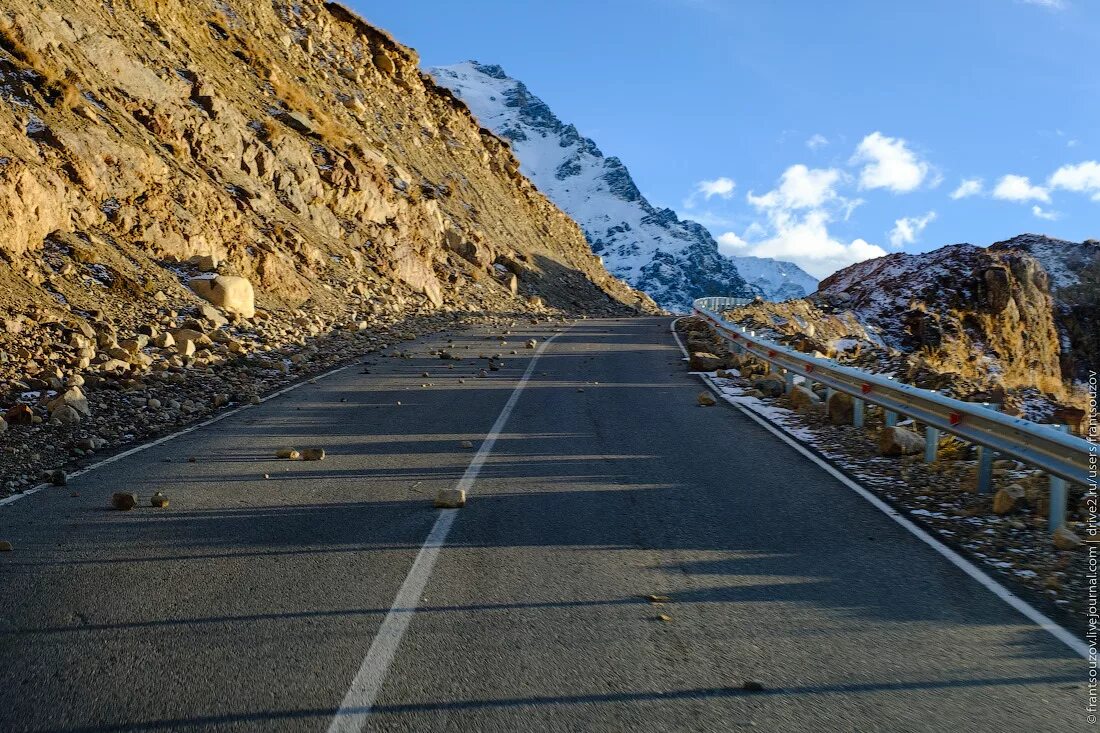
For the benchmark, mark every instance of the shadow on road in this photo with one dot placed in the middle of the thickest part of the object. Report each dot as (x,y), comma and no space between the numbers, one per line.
(628,465)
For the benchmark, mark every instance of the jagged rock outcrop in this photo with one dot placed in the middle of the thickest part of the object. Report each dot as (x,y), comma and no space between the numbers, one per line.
(1074,272)
(1003,324)
(292,144)
(673,260)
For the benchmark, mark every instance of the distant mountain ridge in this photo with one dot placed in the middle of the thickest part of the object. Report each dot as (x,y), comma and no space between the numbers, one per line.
(673,260)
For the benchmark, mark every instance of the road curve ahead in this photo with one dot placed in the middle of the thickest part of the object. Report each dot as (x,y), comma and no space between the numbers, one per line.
(308,601)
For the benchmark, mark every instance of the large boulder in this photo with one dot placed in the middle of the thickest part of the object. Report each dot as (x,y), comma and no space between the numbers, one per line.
(468,250)
(1065,539)
(750,365)
(841,408)
(700,342)
(769,386)
(731,361)
(19,415)
(211,314)
(72,397)
(509,281)
(1005,500)
(895,441)
(188,340)
(231,293)
(803,399)
(66,415)
(702,361)
(410,268)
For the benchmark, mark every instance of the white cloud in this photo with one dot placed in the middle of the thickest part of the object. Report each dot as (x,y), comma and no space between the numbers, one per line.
(805,240)
(730,241)
(756,230)
(968,187)
(851,205)
(1048,215)
(1020,189)
(908,229)
(722,187)
(1050,4)
(800,188)
(817,140)
(1081,178)
(889,163)
(798,212)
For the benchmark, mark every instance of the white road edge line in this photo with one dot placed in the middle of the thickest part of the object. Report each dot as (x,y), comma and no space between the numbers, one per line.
(1042,620)
(361,695)
(164,439)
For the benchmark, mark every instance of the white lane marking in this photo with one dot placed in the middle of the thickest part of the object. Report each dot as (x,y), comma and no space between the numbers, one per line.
(160,441)
(1042,620)
(364,689)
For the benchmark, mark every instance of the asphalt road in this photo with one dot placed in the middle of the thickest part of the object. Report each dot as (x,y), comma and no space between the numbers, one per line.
(251,602)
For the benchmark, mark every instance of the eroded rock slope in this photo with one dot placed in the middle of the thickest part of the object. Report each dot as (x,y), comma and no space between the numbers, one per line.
(1009,323)
(186,184)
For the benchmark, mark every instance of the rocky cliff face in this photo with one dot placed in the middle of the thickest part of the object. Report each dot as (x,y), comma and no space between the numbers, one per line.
(292,143)
(200,200)
(1074,271)
(673,260)
(980,323)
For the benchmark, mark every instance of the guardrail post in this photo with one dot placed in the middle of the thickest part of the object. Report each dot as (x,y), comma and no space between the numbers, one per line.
(1064,456)
(931,444)
(789,379)
(1056,516)
(985,469)
(985,462)
(890,418)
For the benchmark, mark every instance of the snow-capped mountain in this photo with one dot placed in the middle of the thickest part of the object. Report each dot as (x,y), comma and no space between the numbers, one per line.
(673,260)
(777,280)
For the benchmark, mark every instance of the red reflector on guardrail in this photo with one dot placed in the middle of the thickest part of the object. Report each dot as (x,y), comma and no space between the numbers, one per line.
(809,367)
(866,388)
(955,418)
(771,353)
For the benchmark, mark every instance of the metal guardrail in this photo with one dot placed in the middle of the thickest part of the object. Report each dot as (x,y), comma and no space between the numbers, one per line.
(1064,456)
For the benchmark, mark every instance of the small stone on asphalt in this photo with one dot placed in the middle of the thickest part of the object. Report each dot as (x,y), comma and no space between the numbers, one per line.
(450,499)
(123,501)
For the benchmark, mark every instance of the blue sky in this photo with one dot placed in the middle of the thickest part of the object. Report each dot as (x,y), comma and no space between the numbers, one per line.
(820,132)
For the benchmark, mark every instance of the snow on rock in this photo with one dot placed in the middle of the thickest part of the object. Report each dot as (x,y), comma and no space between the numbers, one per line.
(1011,323)
(1063,260)
(777,279)
(673,260)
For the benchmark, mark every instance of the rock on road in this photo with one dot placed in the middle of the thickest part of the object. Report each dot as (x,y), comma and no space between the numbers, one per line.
(249,603)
